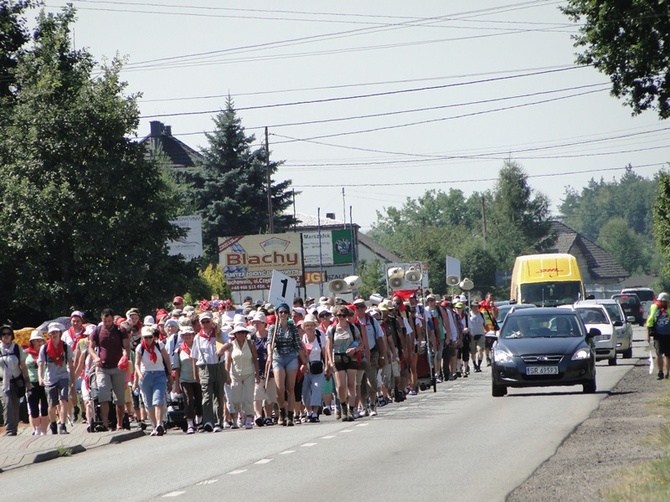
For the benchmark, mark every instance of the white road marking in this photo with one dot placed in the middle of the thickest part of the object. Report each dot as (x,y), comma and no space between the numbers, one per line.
(239,471)
(307,445)
(346,430)
(173,494)
(287,452)
(362,425)
(327,437)
(207,482)
(263,461)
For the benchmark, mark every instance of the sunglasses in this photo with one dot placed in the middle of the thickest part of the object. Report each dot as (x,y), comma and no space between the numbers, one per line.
(205,321)
(6,333)
(324,315)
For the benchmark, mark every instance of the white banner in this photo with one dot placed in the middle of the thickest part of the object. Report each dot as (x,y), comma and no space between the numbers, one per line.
(189,246)
(315,251)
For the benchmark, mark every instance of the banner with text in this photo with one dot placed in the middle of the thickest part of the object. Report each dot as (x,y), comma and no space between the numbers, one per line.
(248,260)
(190,246)
(333,248)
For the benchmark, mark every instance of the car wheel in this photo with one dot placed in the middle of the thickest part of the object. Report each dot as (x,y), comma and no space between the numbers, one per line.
(612,362)
(590,387)
(628,353)
(498,390)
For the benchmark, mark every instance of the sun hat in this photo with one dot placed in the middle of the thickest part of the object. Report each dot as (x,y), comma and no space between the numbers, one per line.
(172,322)
(78,314)
(205,315)
(36,335)
(147,331)
(259,317)
(310,318)
(240,329)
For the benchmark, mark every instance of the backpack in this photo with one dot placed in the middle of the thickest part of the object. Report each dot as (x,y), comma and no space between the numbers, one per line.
(44,348)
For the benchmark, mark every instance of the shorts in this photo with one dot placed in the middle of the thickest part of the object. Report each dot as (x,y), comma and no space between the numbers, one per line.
(37,401)
(449,351)
(662,345)
(266,393)
(58,392)
(111,380)
(478,341)
(344,362)
(153,386)
(286,362)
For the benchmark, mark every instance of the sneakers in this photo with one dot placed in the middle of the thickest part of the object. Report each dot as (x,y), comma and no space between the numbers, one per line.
(260,422)
(76,413)
(160,430)
(326,411)
(660,377)
(413,392)
(218,428)
(373,411)
(63,429)
(208,427)
(190,430)
(249,424)
(269,421)
(54,428)
(154,432)
(355,413)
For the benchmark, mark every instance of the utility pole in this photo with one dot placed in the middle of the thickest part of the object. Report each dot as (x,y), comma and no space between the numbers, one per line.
(483,222)
(271,226)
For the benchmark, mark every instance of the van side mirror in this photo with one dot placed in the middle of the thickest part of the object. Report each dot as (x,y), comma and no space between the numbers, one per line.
(630,319)
(618,323)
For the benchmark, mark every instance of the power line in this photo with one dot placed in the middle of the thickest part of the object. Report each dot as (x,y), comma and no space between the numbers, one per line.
(373,94)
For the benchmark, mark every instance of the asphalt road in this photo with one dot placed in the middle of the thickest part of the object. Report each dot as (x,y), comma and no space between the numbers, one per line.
(457,444)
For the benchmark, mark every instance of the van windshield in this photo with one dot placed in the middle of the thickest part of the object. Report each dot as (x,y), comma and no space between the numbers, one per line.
(549,294)
(645,295)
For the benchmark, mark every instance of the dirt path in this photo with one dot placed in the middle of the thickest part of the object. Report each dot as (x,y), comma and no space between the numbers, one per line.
(611,438)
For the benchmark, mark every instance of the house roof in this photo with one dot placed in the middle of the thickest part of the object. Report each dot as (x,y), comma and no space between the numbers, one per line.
(378,249)
(180,154)
(600,264)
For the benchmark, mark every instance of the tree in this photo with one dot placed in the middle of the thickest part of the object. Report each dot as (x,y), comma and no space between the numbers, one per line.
(629,42)
(519,218)
(231,185)
(372,278)
(13,36)
(624,244)
(85,218)
(479,266)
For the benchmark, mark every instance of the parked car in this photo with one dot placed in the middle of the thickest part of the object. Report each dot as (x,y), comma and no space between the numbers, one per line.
(595,316)
(622,324)
(541,347)
(646,296)
(631,305)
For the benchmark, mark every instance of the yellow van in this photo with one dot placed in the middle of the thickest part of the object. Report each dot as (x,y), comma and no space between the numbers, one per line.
(546,280)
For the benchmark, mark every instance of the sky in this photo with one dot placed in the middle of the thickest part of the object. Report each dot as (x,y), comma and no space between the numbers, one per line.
(384,99)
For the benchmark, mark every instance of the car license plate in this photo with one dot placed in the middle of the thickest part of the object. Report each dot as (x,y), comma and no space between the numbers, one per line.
(542,370)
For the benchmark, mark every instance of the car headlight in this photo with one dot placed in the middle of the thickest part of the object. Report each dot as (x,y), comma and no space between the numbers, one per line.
(581,354)
(502,356)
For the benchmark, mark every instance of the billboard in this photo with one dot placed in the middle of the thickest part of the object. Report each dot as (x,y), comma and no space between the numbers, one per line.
(247,261)
(191,245)
(334,248)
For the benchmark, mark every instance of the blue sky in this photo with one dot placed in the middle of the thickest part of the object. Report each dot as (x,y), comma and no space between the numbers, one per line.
(386,99)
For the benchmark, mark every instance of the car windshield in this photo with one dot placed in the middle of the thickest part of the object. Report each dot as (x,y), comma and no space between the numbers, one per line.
(550,294)
(614,312)
(592,315)
(541,326)
(645,295)
(503,310)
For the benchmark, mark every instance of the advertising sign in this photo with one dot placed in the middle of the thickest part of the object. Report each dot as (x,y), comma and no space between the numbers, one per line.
(334,248)
(282,289)
(248,260)
(191,245)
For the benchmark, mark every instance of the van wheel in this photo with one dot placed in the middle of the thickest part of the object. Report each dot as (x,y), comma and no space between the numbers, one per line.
(590,387)
(612,362)
(498,390)
(628,354)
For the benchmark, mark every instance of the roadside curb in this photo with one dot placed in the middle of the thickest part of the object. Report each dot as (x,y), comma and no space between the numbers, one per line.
(69,450)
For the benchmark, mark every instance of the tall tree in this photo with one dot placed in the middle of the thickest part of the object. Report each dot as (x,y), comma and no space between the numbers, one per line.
(519,218)
(231,185)
(629,41)
(662,226)
(85,217)
(13,36)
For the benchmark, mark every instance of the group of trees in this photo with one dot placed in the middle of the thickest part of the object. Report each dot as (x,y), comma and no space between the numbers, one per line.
(86,215)
(486,230)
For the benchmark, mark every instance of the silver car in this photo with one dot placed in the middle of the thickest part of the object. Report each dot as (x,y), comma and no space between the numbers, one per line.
(594,315)
(623,326)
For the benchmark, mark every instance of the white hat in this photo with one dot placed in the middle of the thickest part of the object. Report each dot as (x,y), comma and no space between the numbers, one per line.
(239,319)
(310,318)
(55,326)
(663,297)
(149,320)
(90,329)
(147,331)
(205,315)
(36,335)
(186,329)
(173,322)
(78,314)
(240,329)
(299,310)
(259,316)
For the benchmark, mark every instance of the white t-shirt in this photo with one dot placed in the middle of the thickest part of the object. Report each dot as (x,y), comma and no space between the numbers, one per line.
(146,363)
(313,349)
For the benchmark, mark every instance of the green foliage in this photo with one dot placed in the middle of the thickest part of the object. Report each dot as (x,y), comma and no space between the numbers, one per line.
(618,216)
(13,36)
(85,217)
(231,185)
(213,277)
(628,41)
(438,224)
(372,278)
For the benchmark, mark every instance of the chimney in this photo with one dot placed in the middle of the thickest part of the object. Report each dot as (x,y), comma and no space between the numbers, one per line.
(330,216)
(157,128)
(168,130)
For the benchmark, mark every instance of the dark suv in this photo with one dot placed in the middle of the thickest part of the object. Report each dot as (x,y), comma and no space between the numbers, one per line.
(631,305)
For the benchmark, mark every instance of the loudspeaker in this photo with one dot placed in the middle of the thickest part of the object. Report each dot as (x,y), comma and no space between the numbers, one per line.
(353,281)
(338,286)
(395,273)
(466,284)
(453,280)
(413,275)
(396,283)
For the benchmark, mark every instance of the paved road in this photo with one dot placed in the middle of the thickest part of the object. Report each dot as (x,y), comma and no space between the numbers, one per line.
(457,444)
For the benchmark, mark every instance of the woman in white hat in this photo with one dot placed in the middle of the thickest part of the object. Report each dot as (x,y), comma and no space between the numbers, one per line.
(153,372)
(242,366)
(38,408)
